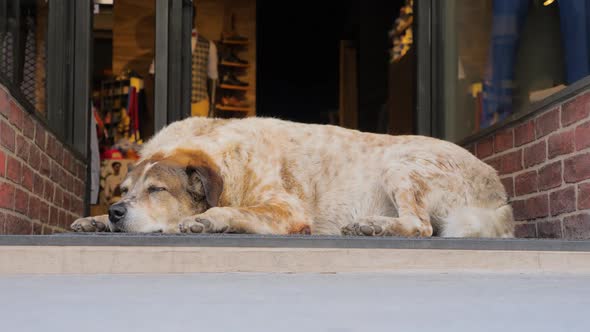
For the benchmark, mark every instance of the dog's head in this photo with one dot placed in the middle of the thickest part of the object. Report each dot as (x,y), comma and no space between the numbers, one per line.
(160,191)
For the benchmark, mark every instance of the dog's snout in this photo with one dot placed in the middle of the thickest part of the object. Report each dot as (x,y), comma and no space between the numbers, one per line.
(117,212)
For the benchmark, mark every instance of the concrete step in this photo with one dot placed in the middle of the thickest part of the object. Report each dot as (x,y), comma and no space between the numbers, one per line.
(128,253)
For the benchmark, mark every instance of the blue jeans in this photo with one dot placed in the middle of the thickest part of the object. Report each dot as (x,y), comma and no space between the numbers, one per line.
(575,28)
(508,18)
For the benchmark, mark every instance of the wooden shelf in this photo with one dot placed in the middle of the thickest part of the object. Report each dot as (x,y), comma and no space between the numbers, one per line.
(234,87)
(235,42)
(235,64)
(232,108)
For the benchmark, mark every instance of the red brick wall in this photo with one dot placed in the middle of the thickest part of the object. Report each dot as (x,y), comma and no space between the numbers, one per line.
(42,183)
(544,163)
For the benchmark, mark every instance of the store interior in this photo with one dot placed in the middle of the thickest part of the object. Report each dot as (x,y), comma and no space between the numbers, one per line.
(307,61)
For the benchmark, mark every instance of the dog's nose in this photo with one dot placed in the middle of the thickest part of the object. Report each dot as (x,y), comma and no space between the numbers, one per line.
(117,212)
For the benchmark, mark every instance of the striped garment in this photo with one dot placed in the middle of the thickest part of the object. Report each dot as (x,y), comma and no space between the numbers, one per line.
(199,70)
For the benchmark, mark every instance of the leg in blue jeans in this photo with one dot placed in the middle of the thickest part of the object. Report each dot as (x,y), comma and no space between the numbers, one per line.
(508,19)
(575,37)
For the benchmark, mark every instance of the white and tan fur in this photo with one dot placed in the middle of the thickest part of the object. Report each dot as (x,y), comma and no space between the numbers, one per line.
(280,177)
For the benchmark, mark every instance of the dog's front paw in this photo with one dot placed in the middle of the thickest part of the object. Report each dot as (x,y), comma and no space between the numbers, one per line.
(201,225)
(89,224)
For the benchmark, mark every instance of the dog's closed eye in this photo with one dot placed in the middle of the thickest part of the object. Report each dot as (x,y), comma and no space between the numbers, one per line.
(155,189)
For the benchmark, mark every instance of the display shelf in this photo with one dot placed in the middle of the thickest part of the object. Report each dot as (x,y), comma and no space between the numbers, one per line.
(235,64)
(235,42)
(232,108)
(233,87)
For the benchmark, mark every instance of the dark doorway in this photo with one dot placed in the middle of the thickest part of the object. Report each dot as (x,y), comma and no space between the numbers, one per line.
(298,57)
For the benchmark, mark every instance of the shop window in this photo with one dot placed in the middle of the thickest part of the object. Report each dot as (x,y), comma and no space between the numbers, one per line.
(500,56)
(23,51)
(48,73)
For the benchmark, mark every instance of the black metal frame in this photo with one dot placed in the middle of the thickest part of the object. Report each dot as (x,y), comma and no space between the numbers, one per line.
(423,67)
(429,44)
(83,60)
(59,77)
(69,68)
(173,61)
(82,71)
(259,63)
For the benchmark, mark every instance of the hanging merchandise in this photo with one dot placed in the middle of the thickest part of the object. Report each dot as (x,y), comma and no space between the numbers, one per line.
(94,157)
(204,68)
(402,33)
(100,126)
(121,102)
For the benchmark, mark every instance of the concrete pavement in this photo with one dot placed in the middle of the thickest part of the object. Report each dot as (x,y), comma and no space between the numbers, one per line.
(295,302)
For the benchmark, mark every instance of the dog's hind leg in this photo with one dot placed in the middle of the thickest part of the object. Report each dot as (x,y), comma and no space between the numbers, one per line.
(408,195)
(386,226)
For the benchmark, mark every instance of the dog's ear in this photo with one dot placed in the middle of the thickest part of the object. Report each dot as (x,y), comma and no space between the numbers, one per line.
(209,180)
(201,170)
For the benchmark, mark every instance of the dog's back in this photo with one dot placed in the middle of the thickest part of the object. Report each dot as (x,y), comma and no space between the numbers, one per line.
(338,177)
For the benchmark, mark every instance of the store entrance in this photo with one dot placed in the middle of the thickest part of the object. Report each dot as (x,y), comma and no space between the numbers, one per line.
(308,62)
(303,74)
(298,58)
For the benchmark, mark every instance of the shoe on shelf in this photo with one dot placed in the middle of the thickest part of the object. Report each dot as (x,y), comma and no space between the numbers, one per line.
(233,101)
(236,38)
(234,59)
(230,79)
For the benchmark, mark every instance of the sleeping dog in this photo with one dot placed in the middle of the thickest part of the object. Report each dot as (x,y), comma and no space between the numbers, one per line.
(268,176)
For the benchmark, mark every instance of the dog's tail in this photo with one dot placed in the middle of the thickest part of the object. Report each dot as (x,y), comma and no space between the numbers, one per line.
(479,222)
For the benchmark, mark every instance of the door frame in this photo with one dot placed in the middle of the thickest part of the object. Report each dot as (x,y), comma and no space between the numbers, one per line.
(173,72)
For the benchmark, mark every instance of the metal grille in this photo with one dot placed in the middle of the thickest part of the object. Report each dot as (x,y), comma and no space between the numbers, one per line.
(27,86)
(6,55)
(22,54)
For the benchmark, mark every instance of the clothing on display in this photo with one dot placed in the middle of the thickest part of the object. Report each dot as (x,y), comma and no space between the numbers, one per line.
(200,60)
(508,20)
(133,107)
(575,32)
(122,103)
(204,67)
(211,64)
(200,108)
(94,160)
(212,70)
